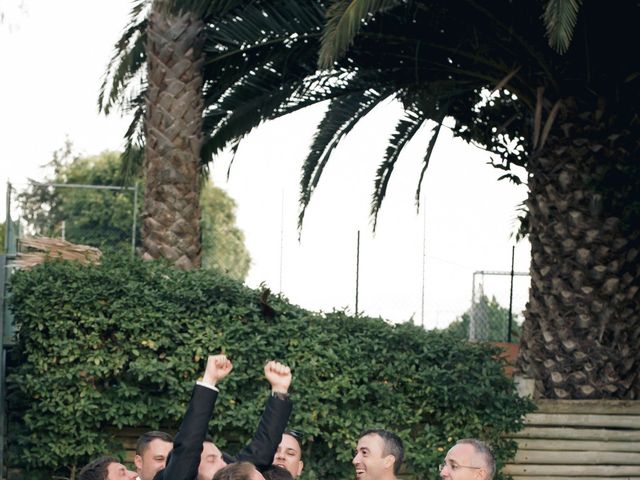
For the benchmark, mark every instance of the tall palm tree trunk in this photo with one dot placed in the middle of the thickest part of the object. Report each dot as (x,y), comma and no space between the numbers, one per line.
(581,335)
(171,215)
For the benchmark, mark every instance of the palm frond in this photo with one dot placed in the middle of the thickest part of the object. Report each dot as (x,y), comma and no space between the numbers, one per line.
(560,17)
(427,157)
(342,115)
(406,128)
(128,60)
(344,20)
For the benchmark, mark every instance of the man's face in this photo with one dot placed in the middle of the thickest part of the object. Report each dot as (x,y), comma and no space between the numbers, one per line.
(117,471)
(370,462)
(210,461)
(153,458)
(463,463)
(288,455)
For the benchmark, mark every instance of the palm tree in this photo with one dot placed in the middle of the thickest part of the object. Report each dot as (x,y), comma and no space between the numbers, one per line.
(513,83)
(170,226)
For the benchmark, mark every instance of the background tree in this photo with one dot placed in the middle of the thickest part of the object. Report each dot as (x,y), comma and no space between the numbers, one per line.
(223,245)
(506,77)
(103,218)
(494,320)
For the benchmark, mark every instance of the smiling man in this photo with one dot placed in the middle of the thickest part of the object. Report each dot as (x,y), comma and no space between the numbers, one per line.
(468,459)
(379,455)
(289,453)
(106,468)
(152,450)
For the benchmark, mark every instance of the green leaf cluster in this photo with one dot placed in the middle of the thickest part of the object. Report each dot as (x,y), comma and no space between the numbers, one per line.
(120,344)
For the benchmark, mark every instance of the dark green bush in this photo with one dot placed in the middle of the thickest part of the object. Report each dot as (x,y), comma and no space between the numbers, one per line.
(121,344)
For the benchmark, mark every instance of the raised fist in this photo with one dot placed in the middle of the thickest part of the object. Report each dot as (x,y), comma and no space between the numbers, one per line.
(278,375)
(218,367)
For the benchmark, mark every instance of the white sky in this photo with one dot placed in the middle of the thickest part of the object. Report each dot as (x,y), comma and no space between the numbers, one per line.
(53,55)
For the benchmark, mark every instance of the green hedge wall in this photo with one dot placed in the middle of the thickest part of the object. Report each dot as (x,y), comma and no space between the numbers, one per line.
(121,344)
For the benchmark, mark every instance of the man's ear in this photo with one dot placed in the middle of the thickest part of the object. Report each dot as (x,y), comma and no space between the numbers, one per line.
(389,461)
(137,460)
(300,467)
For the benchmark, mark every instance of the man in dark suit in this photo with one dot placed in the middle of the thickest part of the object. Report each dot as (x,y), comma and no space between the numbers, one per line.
(184,461)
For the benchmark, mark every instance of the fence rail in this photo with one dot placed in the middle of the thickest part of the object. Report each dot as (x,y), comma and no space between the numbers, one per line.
(579,440)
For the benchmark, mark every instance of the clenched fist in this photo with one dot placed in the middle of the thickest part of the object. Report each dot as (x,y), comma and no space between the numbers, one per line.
(278,375)
(218,367)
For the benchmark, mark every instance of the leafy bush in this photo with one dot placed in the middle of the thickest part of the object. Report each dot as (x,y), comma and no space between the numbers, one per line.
(121,344)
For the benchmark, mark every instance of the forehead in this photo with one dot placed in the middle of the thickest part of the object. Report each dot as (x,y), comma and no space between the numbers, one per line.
(114,468)
(288,441)
(372,442)
(158,447)
(209,448)
(462,453)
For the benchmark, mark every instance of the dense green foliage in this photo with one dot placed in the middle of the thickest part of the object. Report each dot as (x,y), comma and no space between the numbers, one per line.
(493,318)
(104,218)
(121,344)
(90,216)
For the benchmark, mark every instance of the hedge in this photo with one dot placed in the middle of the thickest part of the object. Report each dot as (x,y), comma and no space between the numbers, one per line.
(120,344)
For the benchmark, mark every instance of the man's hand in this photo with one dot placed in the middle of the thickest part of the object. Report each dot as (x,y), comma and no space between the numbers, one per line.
(279,376)
(218,367)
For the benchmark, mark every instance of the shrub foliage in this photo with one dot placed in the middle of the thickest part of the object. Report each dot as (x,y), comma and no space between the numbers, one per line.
(120,344)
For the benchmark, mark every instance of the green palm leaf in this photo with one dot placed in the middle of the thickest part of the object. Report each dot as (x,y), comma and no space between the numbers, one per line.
(560,17)
(344,20)
(405,130)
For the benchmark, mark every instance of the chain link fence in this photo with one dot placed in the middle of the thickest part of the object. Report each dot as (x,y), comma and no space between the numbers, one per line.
(101,216)
(497,302)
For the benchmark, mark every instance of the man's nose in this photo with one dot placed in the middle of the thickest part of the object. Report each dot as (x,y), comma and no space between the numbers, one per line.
(355,459)
(131,475)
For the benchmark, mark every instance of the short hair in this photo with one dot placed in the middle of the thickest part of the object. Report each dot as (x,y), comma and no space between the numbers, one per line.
(148,437)
(98,469)
(277,473)
(484,450)
(296,434)
(392,445)
(235,471)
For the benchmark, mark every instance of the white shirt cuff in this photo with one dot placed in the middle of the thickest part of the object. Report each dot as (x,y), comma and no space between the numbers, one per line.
(207,385)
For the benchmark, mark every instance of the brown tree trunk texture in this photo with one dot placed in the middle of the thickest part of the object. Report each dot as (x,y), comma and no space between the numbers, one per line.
(581,334)
(171,214)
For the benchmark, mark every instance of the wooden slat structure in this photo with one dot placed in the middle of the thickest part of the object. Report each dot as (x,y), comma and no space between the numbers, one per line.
(579,440)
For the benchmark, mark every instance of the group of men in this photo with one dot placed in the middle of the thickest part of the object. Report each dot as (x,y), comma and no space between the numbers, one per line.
(274,453)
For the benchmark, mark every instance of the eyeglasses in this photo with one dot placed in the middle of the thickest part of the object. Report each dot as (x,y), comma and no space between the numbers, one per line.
(454,466)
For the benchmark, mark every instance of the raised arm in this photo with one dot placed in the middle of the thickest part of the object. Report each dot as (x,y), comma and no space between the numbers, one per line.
(274,419)
(187,446)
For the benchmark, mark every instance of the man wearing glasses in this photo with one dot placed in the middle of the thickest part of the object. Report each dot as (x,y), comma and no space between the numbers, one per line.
(289,453)
(468,459)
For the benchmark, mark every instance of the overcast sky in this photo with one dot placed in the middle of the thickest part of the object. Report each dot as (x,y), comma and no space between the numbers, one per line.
(53,55)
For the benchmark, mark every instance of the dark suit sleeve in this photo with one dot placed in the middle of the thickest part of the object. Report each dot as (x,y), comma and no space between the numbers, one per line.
(184,459)
(263,446)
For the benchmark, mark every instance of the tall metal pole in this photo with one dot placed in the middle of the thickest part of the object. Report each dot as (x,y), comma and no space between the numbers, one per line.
(472,316)
(281,236)
(7,218)
(357,270)
(513,253)
(424,260)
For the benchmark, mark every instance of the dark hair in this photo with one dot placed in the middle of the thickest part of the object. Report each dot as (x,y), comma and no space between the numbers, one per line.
(235,471)
(485,452)
(148,437)
(296,434)
(392,445)
(98,469)
(277,473)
